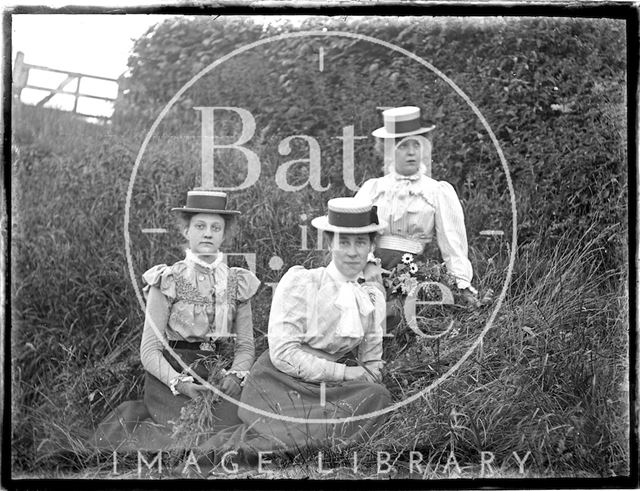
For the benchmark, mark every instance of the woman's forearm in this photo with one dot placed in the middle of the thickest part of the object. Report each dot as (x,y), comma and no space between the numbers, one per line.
(288,356)
(156,318)
(244,354)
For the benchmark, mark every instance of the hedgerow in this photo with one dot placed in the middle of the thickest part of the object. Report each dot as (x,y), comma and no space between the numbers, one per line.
(549,87)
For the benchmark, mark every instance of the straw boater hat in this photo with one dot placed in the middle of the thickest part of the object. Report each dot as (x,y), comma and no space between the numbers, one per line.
(203,201)
(400,122)
(349,216)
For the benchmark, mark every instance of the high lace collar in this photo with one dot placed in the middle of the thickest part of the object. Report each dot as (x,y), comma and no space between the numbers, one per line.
(412,178)
(194,259)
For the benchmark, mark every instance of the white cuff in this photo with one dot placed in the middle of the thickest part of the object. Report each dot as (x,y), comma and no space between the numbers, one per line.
(339,370)
(241,374)
(175,381)
(464,284)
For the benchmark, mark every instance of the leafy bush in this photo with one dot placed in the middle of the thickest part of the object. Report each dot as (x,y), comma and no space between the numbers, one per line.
(549,87)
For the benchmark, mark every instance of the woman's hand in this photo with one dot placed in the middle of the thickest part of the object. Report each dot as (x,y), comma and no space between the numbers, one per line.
(372,272)
(471,299)
(191,389)
(231,386)
(373,375)
(354,373)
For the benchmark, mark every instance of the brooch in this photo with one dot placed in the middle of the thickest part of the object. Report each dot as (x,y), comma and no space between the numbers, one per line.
(207,346)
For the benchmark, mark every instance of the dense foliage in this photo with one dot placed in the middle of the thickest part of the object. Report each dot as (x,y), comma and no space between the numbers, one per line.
(547,87)
(553,369)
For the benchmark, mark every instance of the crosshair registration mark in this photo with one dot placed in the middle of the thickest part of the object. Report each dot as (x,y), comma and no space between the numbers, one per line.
(396,49)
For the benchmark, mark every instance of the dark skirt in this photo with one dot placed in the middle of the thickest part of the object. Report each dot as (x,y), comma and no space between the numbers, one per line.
(147,424)
(269,389)
(389,258)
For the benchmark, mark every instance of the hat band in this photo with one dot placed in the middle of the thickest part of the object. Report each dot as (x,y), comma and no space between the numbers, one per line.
(402,126)
(353,220)
(206,202)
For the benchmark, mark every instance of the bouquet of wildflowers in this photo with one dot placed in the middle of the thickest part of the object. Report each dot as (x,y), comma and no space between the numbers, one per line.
(197,416)
(411,276)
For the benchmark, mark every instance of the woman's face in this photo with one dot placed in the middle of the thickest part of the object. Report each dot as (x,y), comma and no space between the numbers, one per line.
(349,253)
(409,153)
(205,233)
(408,156)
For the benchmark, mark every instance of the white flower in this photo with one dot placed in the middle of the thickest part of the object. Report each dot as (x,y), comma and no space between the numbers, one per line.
(409,286)
(413,268)
(407,258)
(404,277)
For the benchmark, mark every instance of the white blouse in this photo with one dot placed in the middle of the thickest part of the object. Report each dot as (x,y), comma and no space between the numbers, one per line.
(417,207)
(195,301)
(317,316)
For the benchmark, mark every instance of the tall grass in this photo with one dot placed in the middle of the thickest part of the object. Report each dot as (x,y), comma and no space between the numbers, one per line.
(549,377)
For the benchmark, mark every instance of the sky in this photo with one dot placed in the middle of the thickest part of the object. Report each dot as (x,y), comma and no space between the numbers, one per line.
(94,44)
(91,44)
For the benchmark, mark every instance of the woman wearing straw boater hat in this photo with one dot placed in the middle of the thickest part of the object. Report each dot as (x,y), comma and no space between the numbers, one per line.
(318,318)
(194,307)
(417,208)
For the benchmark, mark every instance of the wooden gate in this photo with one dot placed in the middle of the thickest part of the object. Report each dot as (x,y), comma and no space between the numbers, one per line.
(21,78)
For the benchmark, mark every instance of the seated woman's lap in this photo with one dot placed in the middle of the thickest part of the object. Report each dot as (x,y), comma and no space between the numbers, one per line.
(275,392)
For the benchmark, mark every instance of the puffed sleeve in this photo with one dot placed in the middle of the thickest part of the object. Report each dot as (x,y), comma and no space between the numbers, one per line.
(373,191)
(365,192)
(289,319)
(248,284)
(451,234)
(160,276)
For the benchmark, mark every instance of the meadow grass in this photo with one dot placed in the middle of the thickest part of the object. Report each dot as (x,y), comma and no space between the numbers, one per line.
(550,377)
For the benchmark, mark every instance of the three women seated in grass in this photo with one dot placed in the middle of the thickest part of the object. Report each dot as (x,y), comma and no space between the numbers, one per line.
(319,381)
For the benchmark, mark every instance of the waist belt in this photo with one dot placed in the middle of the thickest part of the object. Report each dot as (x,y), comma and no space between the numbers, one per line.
(399,243)
(203,346)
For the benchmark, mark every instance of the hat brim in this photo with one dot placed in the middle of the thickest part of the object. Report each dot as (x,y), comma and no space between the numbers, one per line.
(322,223)
(205,210)
(383,133)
